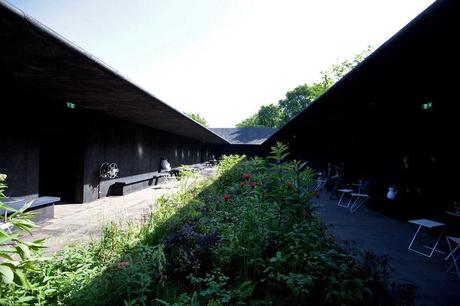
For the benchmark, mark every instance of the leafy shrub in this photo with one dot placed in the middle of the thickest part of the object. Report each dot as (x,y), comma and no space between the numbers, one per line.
(17,256)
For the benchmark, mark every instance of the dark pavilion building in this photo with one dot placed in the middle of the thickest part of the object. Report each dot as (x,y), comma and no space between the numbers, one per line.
(402,100)
(64,113)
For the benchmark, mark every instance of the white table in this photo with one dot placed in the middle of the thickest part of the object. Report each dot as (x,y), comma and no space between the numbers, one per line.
(344,191)
(428,224)
(452,250)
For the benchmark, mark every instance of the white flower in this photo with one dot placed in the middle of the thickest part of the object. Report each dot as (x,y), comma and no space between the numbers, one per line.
(2,177)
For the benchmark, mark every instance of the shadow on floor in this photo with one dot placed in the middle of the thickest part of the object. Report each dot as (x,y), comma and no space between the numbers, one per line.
(386,236)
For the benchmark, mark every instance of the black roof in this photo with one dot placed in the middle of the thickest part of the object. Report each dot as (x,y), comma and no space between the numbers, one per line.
(398,75)
(248,136)
(37,62)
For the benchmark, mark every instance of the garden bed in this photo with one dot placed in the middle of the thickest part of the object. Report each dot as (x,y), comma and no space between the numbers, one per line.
(246,237)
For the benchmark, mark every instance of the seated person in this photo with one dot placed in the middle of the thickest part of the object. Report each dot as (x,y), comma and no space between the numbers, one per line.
(166,166)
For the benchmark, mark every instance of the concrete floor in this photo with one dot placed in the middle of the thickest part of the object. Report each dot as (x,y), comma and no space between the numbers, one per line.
(386,236)
(74,223)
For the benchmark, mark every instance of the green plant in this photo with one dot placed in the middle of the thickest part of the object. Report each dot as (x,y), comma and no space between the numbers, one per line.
(17,256)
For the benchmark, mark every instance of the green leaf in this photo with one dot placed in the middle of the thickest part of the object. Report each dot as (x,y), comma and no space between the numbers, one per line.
(22,278)
(26,299)
(7,274)
(23,250)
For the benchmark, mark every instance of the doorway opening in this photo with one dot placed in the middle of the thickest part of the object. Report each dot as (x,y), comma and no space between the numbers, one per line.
(61,167)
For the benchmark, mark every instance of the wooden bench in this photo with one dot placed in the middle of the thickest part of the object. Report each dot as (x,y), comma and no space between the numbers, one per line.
(42,207)
(130,184)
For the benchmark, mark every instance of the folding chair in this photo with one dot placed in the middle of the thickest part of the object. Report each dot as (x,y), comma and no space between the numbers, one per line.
(429,224)
(359,199)
(452,253)
(344,191)
(320,184)
(6,226)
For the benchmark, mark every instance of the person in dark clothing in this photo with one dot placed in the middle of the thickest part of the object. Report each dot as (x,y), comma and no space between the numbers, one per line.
(329,170)
(409,191)
(335,180)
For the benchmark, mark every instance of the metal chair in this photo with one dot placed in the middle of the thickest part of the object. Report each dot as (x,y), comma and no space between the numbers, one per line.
(320,184)
(452,253)
(341,202)
(359,200)
(428,224)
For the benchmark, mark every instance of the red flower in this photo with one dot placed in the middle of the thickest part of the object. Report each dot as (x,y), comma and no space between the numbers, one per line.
(241,184)
(226,197)
(253,184)
(289,184)
(317,194)
(247,176)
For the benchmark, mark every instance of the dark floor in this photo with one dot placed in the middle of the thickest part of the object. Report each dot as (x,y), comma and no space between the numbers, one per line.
(387,236)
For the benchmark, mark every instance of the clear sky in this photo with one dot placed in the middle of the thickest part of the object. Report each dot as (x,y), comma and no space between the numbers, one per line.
(223,58)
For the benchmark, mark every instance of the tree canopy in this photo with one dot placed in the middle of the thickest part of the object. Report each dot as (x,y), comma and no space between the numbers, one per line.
(296,100)
(267,116)
(198,118)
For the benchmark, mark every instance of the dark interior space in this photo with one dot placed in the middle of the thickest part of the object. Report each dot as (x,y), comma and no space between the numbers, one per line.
(61,166)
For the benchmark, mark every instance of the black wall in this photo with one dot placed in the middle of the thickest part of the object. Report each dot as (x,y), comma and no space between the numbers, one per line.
(19,159)
(49,149)
(136,150)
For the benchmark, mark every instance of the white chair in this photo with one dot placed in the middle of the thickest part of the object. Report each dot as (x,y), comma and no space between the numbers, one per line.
(452,254)
(357,200)
(344,192)
(429,224)
(5,225)
(320,184)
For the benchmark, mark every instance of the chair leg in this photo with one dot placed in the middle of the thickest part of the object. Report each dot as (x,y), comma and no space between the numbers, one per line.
(433,249)
(357,204)
(413,239)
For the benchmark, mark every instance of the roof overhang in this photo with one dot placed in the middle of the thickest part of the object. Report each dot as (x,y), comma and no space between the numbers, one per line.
(35,60)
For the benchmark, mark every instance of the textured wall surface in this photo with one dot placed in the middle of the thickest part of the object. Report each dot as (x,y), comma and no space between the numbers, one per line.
(56,151)
(137,151)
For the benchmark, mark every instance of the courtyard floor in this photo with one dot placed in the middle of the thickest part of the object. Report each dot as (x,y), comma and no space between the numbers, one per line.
(386,236)
(74,223)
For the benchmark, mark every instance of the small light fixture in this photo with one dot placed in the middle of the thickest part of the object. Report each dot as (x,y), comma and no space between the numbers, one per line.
(427,105)
(70,105)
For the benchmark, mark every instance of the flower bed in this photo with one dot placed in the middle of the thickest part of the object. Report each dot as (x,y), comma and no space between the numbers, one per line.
(248,236)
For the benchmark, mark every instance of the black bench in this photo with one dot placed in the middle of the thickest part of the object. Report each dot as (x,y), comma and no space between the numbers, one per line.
(131,184)
(42,207)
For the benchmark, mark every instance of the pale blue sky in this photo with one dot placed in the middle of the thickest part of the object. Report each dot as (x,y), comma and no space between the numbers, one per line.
(223,58)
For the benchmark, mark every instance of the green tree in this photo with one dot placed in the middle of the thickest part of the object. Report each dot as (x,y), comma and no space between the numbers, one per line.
(300,97)
(268,116)
(297,99)
(197,117)
(252,121)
